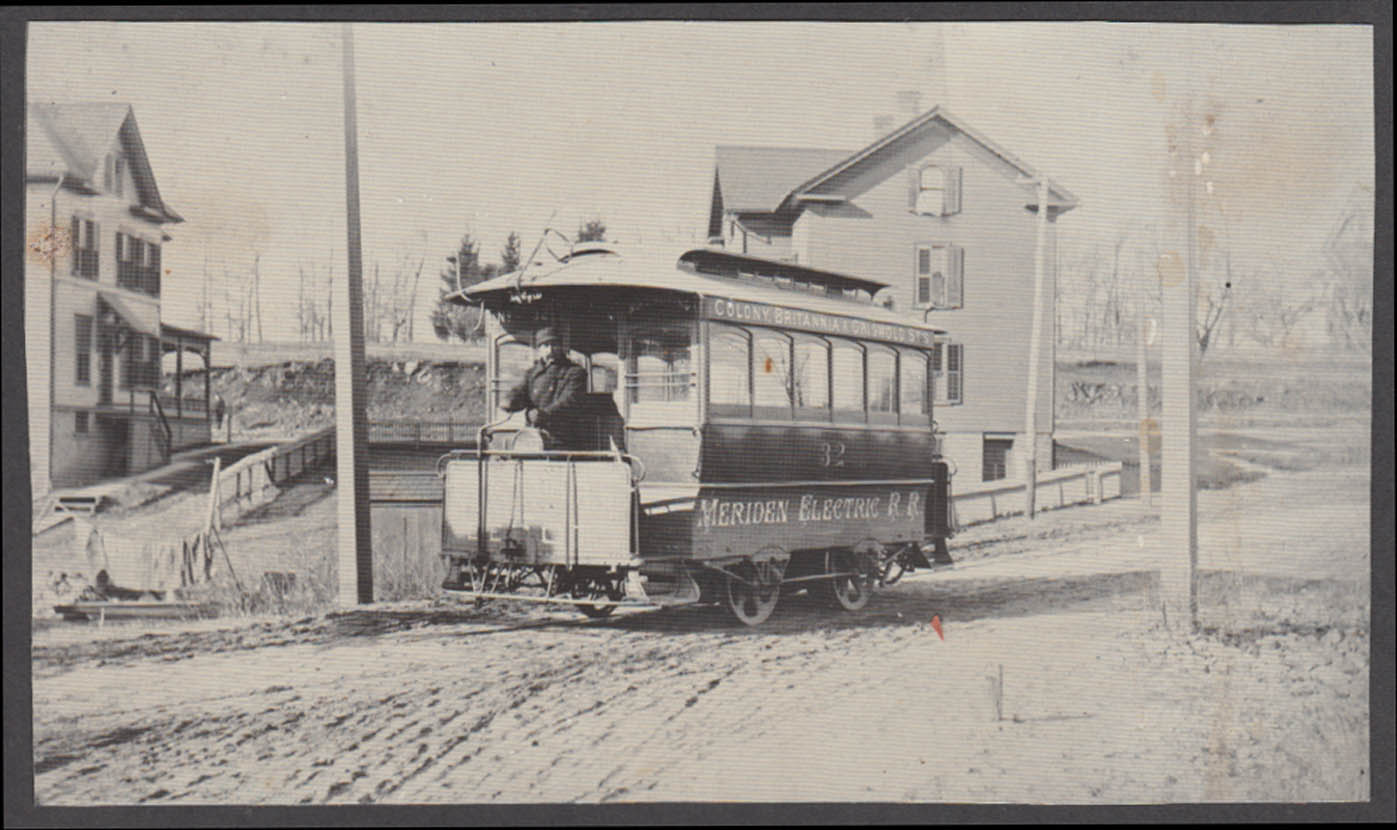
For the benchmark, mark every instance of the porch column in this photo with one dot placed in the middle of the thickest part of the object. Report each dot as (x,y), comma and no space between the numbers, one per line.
(179,377)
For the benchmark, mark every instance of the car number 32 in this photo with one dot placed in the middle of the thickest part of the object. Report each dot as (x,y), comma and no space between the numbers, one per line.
(832,454)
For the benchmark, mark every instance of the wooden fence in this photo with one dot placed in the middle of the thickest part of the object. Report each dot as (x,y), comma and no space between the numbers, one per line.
(1085,484)
(252,480)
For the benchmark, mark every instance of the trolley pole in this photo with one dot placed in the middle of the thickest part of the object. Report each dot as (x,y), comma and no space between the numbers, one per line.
(1034,352)
(1179,525)
(351,421)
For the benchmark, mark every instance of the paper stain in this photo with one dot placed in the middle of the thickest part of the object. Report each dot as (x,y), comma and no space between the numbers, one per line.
(1158,88)
(44,242)
(1206,239)
(936,626)
(1170,268)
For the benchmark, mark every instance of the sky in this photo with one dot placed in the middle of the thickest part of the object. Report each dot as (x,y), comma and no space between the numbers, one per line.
(491,127)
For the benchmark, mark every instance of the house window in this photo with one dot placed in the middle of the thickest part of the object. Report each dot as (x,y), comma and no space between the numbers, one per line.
(80,424)
(946,362)
(940,276)
(994,459)
(82,337)
(936,190)
(85,248)
(137,264)
(153,269)
(120,175)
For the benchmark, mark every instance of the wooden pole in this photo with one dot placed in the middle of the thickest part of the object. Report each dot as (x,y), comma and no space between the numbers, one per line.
(351,428)
(1030,451)
(1179,522)
(210,517)
(1142,383)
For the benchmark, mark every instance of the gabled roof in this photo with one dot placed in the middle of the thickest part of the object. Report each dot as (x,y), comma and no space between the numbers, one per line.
(1062,198)
(69,142)
(758,179)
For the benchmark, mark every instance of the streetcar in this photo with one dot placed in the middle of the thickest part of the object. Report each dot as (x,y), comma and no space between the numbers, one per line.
(753,427)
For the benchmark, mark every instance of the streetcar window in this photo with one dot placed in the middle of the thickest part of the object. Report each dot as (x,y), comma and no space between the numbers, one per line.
(912,385)
(605,368)
(810,377)
(882,380)
(771,374)
(730,370)
(512,360)
(660,369)
(846,359)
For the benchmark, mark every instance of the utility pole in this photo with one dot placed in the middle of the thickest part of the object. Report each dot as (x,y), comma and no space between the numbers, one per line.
(1034,352)
(1142,384)
(1179,522)
(351,427)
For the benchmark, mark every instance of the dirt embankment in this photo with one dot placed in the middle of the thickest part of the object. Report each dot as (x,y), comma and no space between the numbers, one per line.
(299,396)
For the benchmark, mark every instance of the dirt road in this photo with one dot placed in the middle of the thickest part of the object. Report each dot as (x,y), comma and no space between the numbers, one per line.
(1098,703)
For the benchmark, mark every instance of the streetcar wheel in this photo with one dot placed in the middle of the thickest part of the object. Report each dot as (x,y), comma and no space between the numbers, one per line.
(596,612)
(848,592)
(750,603)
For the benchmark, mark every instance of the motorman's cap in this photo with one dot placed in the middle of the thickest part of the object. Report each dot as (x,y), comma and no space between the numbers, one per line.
(547,335)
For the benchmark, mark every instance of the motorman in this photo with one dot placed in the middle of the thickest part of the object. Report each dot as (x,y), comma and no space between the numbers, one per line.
(553,393)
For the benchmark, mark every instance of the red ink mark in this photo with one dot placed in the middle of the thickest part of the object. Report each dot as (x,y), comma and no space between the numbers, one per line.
(768,365)
(936,626)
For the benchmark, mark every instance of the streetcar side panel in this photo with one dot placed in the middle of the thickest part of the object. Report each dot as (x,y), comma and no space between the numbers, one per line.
(738,452)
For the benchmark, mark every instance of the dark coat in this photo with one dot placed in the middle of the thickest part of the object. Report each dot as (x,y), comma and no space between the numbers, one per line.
(557,392)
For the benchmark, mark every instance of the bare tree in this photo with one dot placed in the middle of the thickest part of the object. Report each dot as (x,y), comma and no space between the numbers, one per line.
(1216,298)
(1270,312)
(1349,301)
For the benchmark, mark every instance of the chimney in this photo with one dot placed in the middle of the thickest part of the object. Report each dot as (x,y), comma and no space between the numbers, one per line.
(909,104)
(882,125)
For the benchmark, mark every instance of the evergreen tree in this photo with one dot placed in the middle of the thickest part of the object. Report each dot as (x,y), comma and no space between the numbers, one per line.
(463,269)
(510,255)
(593,230)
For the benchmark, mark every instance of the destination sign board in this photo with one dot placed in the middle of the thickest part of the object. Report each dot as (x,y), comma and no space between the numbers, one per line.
(742,311)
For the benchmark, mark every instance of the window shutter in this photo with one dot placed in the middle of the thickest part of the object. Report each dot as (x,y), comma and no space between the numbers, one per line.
(914,187)
(953,180)
(95,236)
(938,393)
(955,372)
(955,279)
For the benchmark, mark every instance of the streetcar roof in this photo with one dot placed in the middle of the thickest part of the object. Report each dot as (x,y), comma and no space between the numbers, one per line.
(699,272)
